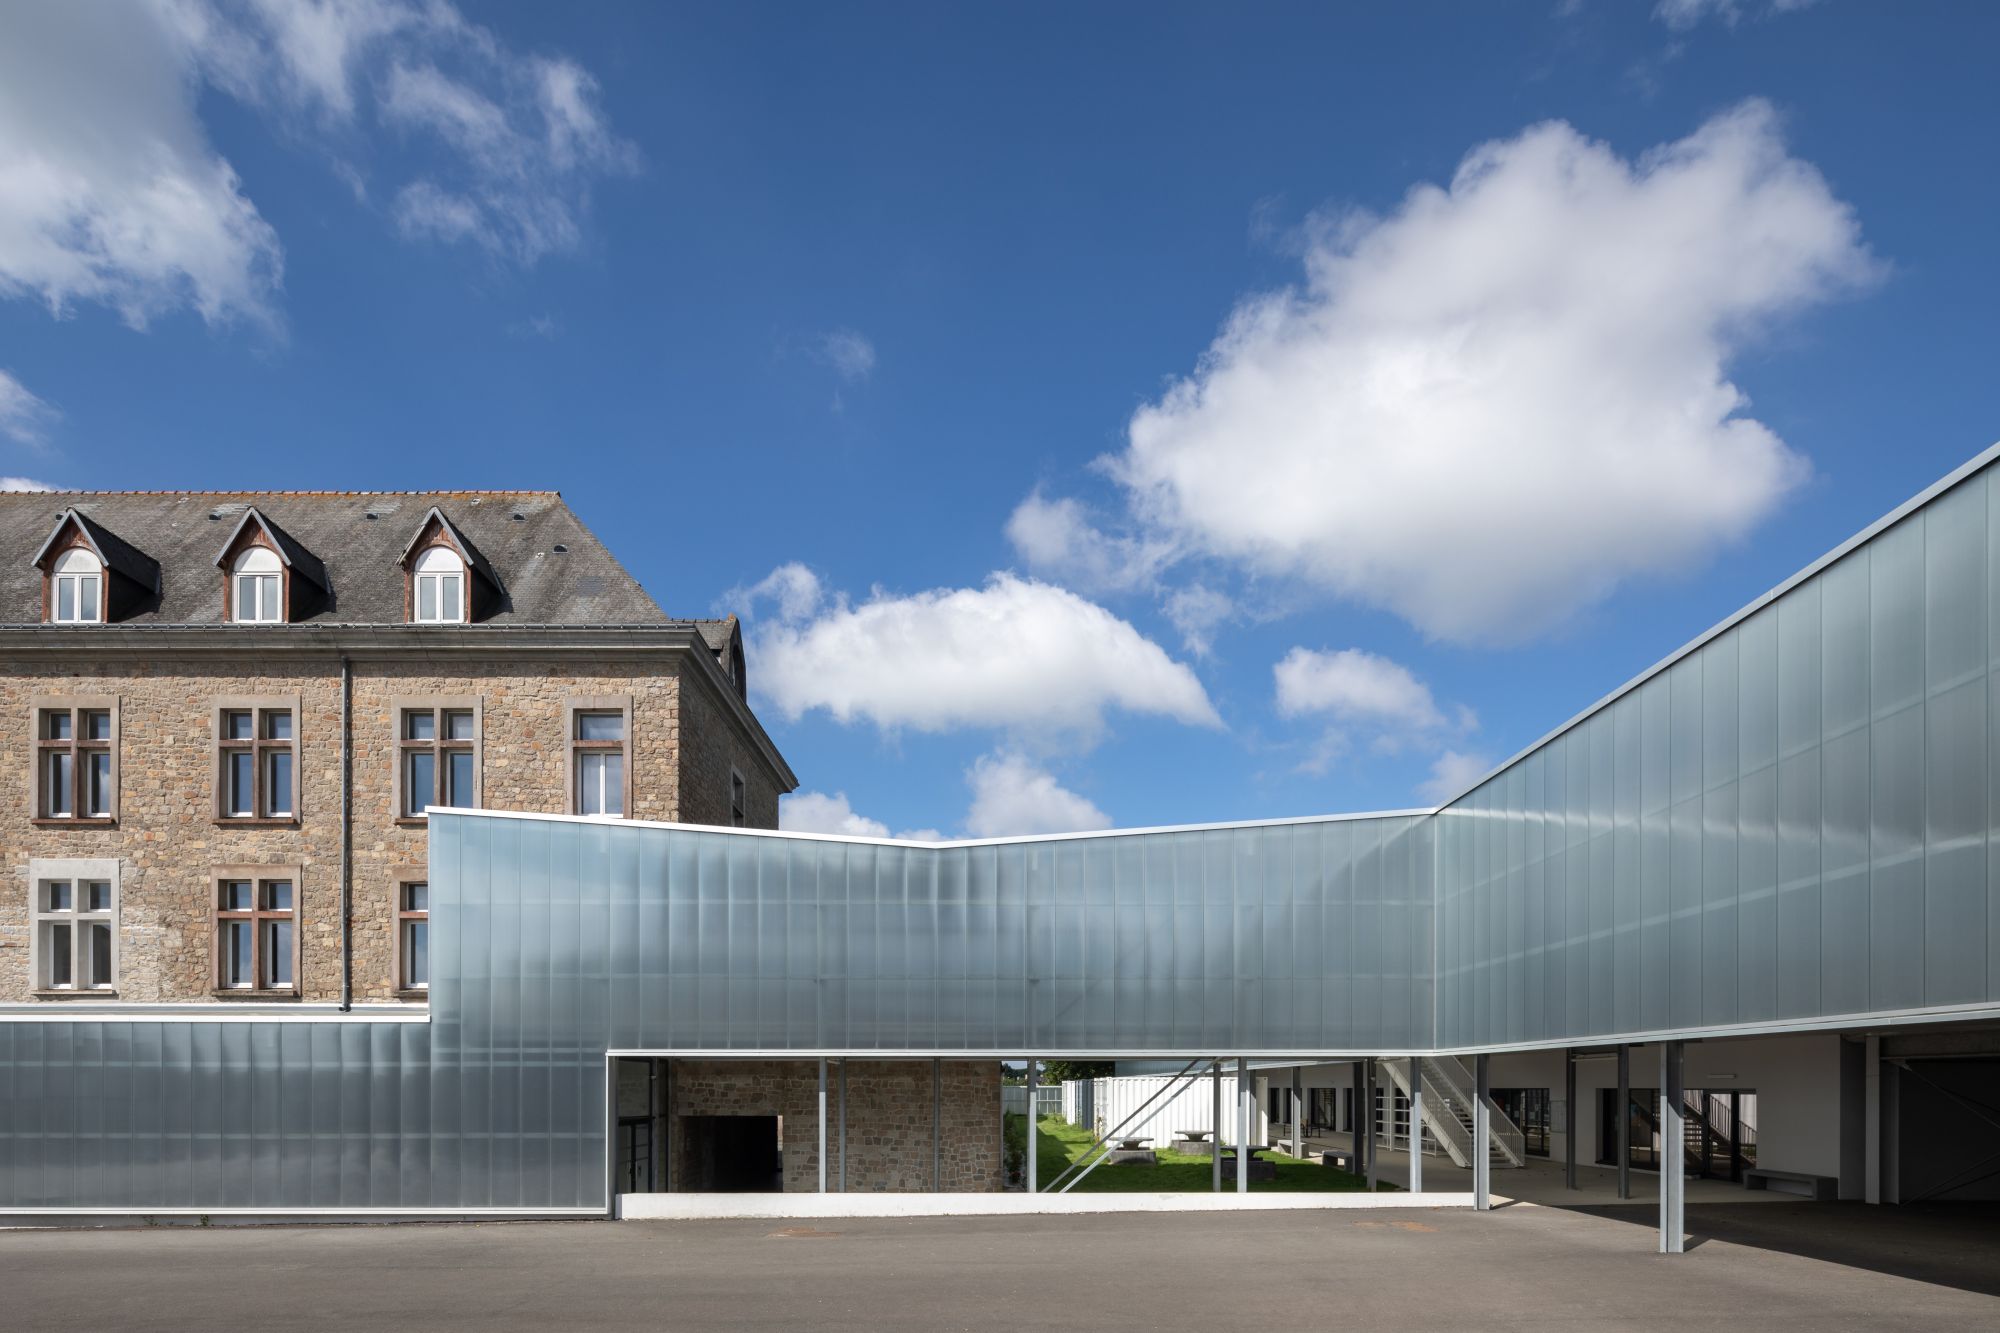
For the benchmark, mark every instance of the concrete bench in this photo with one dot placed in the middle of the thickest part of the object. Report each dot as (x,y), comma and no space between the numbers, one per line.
(1823,1189)
(1339,1157)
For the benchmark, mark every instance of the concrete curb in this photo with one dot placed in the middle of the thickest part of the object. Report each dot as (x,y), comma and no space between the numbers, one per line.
(690,1207)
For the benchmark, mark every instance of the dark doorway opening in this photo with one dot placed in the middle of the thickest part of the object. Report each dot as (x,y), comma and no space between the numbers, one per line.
(732,1154)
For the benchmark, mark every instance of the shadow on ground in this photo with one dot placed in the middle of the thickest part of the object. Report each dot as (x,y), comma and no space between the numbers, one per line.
(1951,1245)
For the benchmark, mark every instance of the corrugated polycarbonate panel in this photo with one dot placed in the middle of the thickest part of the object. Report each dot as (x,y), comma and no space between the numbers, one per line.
(1279,938)
(1791,822)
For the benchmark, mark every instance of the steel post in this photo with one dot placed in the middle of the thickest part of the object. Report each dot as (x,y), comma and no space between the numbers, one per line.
(1482,1137)
(1416,1124)
(937,1127)
(1569,1118)
(1673,1171)
(1624,1122)
(1298,1112)
(1034,1185)
(1364,1120)
(843,1126)
(1215,1127)
(822,1124)
(1246,1110)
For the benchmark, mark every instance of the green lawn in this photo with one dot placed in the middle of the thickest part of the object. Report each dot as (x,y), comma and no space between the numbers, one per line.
(1060,1143)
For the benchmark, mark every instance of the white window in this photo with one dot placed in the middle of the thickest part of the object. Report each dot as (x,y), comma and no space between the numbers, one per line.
(76,595)
(256,932)
(440,591)
(255,594)
(597,750)
(75,911)
(413,935)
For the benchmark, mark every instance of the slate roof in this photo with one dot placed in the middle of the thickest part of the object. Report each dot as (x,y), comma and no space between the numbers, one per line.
(550,569)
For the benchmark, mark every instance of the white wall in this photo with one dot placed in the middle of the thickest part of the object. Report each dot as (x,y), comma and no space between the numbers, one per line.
(1188,1108)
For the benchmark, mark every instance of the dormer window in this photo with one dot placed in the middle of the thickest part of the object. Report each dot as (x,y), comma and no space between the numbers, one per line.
(256,587)
(440,587)
(77,588)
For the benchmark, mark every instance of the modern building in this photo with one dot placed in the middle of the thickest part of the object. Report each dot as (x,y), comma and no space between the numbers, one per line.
(1765,866)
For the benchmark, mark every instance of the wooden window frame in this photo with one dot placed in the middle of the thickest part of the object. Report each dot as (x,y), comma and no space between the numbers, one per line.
(257,916)
(76,871)
(739,815)
(574,748)
(404,877)
(437,705)
(221,748)
(76,705)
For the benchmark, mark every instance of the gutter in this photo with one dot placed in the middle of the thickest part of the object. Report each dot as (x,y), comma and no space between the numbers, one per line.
(346,834)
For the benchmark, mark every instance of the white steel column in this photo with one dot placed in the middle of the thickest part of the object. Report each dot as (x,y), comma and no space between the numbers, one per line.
(1246,1110)
(1482,1138)
(1215,1125)
(937,1125)
(843,1125)
(1364,1120)
(1416,1124)
(1298,1112)
(1871,1171)
(1569,1118)
(822,1124)
(1624,1147)
(1673,1149)
(1034,1184)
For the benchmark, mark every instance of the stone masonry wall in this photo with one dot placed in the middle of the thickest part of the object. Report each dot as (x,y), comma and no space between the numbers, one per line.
(168,842)
(712,745)
(889,1109)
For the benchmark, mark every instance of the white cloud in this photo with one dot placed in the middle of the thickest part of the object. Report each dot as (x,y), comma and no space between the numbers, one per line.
(794,588)
(1452,773)
(851,354)
(110,192)
(1487,409)
(1013,795)
(23,484)
(1016,654)
(1681,15)
(816,812)
(1061,539)
(1353,685)
(1198,612)
(24,418)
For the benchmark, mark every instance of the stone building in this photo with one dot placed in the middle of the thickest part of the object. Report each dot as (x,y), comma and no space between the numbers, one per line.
(230,711)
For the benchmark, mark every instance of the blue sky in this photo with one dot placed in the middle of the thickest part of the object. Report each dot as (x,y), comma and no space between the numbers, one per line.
(1109,413)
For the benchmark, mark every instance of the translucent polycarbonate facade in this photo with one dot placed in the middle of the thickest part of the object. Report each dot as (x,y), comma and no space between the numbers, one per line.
(1270,938)
(1791,822)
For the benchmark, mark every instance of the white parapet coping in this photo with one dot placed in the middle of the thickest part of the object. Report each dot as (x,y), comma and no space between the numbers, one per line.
(690,1207)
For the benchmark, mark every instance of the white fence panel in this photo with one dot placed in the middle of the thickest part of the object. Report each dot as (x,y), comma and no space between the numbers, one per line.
(1190,1107)
(1014,1099)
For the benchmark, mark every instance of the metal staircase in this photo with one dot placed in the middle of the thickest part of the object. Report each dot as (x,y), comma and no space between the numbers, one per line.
(1448,1111)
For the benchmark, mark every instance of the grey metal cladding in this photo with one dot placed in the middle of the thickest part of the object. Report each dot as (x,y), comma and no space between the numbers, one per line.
(1792,821)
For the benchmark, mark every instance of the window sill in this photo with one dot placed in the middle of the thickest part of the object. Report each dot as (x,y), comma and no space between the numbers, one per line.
(67,821)
(77,994)
(414,996)
(413,821)
(238,821)
(234,993)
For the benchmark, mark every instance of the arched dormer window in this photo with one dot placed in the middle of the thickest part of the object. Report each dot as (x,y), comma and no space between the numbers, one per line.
(76,594)
(256,594)
(440,587)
